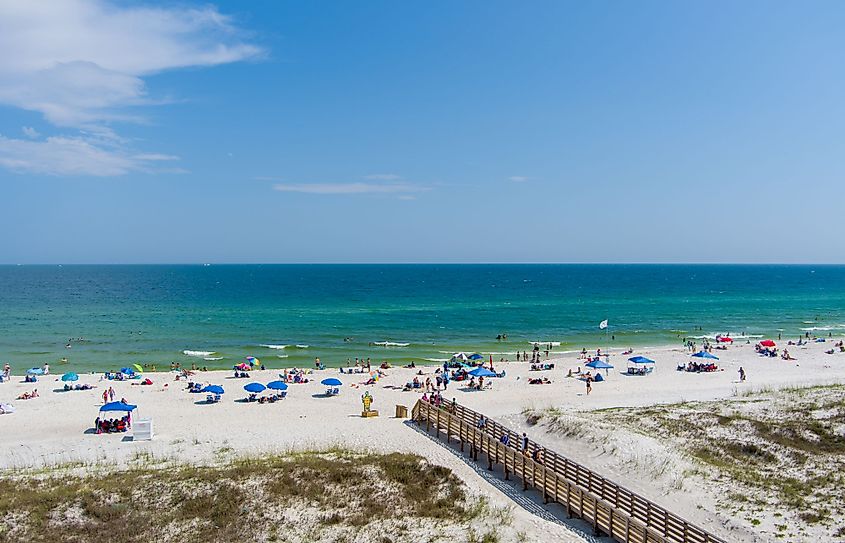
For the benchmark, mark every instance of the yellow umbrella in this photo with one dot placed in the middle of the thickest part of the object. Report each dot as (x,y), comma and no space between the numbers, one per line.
(138,367)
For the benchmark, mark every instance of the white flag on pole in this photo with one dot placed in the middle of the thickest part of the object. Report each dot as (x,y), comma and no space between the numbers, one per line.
(603,324)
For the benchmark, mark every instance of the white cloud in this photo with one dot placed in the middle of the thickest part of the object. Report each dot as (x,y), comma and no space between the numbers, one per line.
(81,64)
(518,178)
(383,177)
(349,188)
(71,156)
(30,132)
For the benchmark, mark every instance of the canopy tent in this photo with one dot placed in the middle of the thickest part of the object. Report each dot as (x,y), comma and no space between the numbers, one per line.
(70,376)
(705,354)
(481,371)
(213,389)
(254,387)
(640,360)
(118,406)
(277,385)
(35,371)
(599,364)
(331,382)
(768,343)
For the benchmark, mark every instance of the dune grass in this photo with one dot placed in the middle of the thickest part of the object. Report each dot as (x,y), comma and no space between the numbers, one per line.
(314,496)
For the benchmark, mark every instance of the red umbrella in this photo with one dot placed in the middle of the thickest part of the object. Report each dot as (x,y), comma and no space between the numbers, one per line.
(767,343)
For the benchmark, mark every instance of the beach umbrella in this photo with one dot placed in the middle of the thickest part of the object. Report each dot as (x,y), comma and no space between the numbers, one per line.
(138,367)
(254,387)
(460,356)
(213,389)
(252,361)
(35,371)
(476,356)
(705,354)
(331,382)
(640,360)
(481,371)
(118,406)
(70,376)
(127,371)
(599,364)
(767,343)
(277,385)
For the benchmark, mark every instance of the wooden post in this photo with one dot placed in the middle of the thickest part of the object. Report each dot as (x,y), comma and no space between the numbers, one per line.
(524,475)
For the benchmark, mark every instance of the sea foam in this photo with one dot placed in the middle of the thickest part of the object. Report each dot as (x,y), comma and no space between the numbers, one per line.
(197,353)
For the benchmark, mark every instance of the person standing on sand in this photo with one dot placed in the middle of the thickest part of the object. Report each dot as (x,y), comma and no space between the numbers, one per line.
(105,396)
(741,375)
(111,394)
(589,385)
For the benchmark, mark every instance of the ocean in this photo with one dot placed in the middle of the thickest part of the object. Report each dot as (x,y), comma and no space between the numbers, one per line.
(286,315)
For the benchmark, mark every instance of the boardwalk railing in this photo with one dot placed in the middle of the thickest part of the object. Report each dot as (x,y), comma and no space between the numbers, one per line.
(609,508)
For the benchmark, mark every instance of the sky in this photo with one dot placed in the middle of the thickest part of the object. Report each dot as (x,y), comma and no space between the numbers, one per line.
(440,131)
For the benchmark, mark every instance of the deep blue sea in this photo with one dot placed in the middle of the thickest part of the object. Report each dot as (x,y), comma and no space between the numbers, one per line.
(286,315)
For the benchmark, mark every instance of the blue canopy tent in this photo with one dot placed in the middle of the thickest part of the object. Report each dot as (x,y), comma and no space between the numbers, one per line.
(277,385)
(637,361)
(118,406)
(481,371)
(213,389)
(641,360)
(70,376)
(599,364)
(35,371)
(255,388)
(705,354)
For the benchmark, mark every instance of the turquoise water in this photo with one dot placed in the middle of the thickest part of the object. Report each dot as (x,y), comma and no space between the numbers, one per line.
(151,314)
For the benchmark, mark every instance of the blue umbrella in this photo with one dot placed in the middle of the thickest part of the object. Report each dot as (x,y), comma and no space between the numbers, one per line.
(118,406)
(476,356)
(599,364)
(213,389)
(705,354)
(277,385)
(481,371)
(254,387)
(35,371)
(70,377)
(331,382)
(641,360)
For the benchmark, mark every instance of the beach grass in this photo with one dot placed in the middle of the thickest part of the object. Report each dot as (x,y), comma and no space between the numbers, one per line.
(331,495)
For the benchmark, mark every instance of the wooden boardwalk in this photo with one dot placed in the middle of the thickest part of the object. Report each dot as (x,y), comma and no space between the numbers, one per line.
(609,508)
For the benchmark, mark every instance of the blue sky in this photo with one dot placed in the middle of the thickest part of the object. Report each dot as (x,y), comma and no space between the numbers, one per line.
(421,132)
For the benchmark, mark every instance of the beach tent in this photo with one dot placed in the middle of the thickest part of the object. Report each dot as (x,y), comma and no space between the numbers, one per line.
(213,389)
(70,376)
(476,356)
(254,387)
(724,339)
(331,382)
(767,343)
(118,406)
(35,371)
(277,385)
(705,354)
(640,360)
(127,371)
(599,364)
(481,371)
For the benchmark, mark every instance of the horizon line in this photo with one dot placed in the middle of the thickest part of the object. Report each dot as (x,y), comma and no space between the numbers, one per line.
(491,263)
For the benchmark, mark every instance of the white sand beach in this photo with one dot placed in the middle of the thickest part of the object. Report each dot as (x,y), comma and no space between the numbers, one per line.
(55,428)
